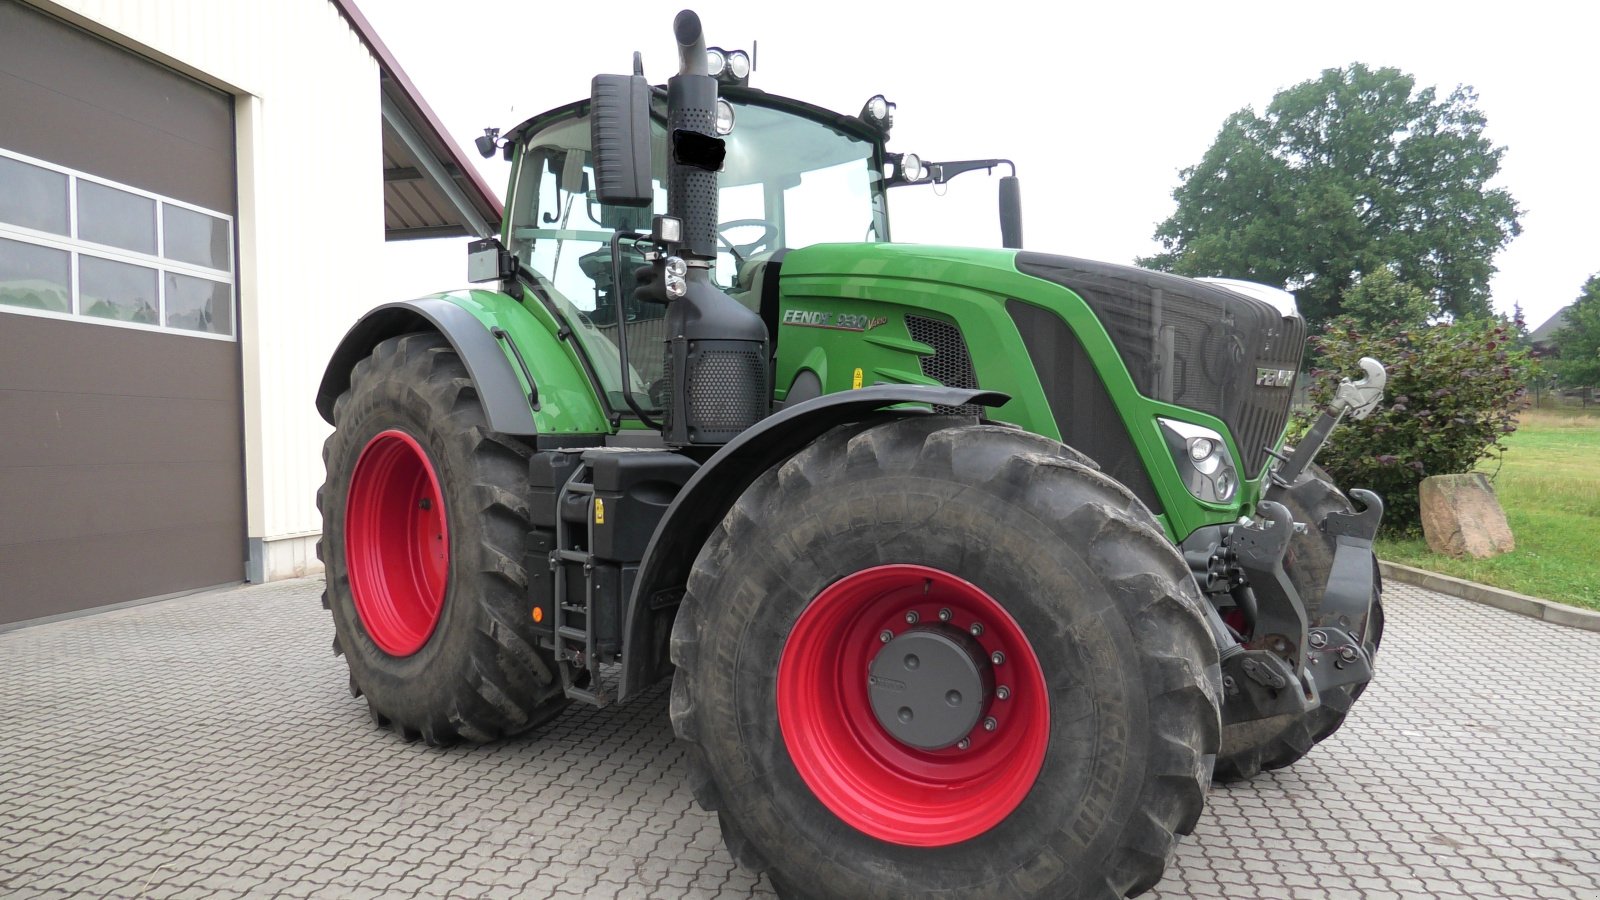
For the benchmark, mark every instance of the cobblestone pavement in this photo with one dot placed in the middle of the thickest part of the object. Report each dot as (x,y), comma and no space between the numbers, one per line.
(207,747)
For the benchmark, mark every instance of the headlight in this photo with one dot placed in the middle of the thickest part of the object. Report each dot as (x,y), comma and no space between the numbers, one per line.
(724,116)
(715,62)
(878,107)
(1203,460)
(911,167)
(739,64)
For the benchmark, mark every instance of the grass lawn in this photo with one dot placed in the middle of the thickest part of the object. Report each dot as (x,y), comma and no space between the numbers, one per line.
(1549,484)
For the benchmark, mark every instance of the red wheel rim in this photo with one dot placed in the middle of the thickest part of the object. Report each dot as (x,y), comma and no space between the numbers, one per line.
(875,783)
(397,544)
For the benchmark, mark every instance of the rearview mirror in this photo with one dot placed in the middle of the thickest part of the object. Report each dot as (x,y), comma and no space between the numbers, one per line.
(1011,213)
(619,135)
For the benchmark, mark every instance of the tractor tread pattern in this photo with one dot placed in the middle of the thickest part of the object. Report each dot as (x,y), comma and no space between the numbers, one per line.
(507,685)
(1163,604)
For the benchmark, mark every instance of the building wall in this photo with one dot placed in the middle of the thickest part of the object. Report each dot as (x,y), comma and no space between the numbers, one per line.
(310,220)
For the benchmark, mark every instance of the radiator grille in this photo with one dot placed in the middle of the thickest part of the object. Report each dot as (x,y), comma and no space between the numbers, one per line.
(1190,343)
(950,364)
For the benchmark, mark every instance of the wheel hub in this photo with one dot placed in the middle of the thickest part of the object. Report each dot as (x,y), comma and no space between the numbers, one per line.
(929,686)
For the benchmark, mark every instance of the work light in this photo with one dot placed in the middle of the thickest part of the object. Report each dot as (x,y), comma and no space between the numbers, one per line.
(1203,460)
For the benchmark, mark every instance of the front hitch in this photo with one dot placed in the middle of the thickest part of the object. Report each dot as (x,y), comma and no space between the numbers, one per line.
(1266,676)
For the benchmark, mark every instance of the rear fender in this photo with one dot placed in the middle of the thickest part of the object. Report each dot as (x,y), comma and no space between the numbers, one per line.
(716,485)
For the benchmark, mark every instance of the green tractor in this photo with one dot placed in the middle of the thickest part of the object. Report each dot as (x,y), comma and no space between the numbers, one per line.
(971,568)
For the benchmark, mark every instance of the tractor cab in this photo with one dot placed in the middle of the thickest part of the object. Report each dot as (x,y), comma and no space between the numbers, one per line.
(794,175)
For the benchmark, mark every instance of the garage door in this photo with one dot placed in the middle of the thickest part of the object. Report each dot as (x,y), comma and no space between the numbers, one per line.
(121,462)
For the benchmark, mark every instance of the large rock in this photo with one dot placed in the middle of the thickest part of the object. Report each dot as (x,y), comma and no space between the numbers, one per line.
(1461,516)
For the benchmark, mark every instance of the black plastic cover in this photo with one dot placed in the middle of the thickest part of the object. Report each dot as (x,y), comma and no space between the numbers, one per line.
(1190,343)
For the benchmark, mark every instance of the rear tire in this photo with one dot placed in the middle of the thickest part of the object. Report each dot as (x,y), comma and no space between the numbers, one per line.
(1250,748)
(448,654)
(1100,608)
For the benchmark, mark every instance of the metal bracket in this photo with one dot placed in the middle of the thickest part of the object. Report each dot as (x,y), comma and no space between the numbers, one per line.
(1337,659)
(1347,599)
(1259,684)
(1280,621)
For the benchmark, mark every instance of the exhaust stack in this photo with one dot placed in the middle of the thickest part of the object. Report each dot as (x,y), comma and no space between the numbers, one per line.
(717,355)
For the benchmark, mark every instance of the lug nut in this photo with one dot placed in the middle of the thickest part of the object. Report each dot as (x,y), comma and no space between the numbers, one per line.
(997,658)
(990,724)
(963,744)
(911,617)
(886,636)
(976,629)
(1318,639)
(1002,692)
(944,615)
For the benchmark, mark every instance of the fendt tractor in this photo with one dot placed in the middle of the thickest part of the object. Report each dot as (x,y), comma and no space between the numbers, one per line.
(971,568)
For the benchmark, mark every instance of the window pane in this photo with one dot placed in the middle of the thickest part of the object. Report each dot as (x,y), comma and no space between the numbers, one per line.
(116,290)
(116,218)
(35,277)
(194,237)
(32,197)
(199,304)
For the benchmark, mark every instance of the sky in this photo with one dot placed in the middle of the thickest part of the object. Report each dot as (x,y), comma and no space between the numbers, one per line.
(1100,105)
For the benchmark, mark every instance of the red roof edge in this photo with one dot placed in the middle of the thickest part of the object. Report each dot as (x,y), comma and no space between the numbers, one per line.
(390,65)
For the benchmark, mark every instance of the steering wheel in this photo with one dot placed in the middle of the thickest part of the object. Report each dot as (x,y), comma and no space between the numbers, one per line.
(769,234)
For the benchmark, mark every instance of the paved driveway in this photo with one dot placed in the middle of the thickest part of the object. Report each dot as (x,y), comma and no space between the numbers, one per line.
(207,747)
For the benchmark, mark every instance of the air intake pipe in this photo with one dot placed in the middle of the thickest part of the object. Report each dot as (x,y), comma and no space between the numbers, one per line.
(717,353)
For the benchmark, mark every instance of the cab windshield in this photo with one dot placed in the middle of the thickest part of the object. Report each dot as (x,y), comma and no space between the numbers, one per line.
(789,181)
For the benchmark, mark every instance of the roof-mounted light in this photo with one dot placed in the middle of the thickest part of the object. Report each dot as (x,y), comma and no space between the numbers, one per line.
(878,112)
(728,66)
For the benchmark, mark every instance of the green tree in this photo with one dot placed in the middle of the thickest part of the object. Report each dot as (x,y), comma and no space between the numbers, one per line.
(1344,175)
(1381,302)
(1578,340)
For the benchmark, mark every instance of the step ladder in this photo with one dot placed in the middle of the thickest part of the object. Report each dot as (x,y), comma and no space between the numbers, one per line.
(573,623)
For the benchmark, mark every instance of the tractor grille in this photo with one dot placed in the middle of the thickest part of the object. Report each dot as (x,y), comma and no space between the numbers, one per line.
(950,364)
(1190,344)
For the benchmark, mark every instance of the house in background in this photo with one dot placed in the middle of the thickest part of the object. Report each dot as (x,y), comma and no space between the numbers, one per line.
(193,200)
(1542,338)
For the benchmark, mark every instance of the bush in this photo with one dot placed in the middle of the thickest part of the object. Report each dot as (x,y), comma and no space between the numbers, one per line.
(1453,393)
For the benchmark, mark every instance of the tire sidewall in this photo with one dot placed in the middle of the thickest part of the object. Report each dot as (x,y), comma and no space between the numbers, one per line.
(404,683)
(1092,772)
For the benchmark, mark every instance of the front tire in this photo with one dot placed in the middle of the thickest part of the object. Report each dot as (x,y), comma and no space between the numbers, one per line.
(425,525)
(1101,751)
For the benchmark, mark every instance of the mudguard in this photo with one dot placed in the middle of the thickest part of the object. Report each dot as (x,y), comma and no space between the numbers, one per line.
(505,400)
(716,485)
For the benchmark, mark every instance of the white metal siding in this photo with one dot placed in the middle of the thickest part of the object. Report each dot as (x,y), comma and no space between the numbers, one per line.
(310,208)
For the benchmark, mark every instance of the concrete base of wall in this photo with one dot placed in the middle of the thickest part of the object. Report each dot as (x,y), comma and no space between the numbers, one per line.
(275,559)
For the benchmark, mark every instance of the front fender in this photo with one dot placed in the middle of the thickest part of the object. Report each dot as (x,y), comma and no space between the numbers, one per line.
(505,399)
(708,495)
